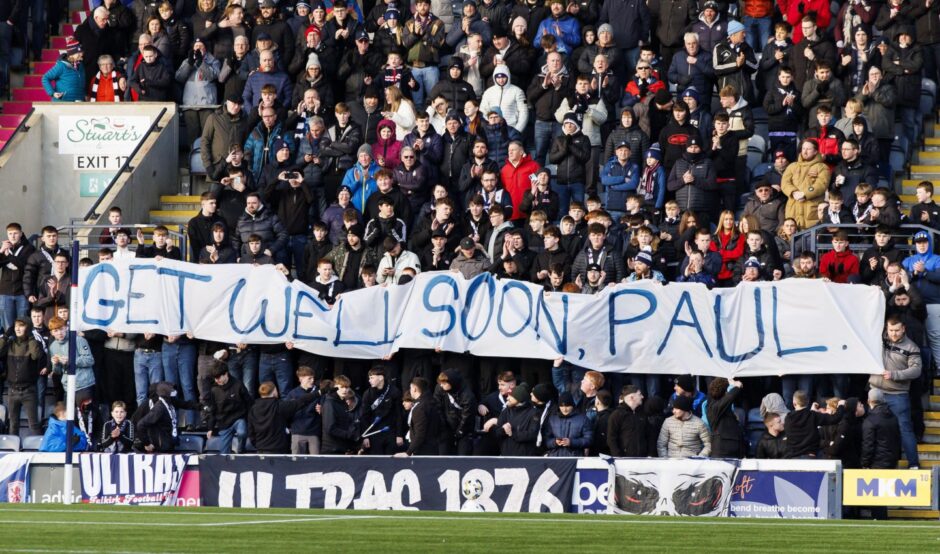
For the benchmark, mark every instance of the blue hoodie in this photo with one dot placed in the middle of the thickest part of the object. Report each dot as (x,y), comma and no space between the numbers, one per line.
(54,439)
(928,282)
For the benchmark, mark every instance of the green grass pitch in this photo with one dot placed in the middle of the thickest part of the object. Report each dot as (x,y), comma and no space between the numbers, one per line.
(108,529)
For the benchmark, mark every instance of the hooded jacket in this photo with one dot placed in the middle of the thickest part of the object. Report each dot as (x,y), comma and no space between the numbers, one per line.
(797,177)
(802,430)
(516,181)
(570,154)
(639,140)
(927,282)
(881,439)
(54,440)
(576,427)
(510,99)
(592,118)
(259,148)
(361,183)
(222,131)
(227,404)
(340,431)
(630,19)
(458,406)
(838,266)
(902,66)
(387,149)
(546,100)
(12,268)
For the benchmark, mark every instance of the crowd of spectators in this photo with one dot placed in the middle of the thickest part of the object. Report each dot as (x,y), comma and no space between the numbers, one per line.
(574,144)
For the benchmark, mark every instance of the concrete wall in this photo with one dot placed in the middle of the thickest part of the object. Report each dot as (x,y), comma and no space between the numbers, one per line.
(51,183)
(21,183)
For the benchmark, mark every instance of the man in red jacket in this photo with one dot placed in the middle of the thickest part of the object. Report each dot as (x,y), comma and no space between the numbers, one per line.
(840,265)
(515,175)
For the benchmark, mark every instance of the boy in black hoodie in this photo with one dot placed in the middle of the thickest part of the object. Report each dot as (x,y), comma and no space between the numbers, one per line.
(381,411)
(318,247)
(925,211)
(802,426)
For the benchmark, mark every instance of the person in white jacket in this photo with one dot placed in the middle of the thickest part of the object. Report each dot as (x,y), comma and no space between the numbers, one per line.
(400,110)
(593,113)
(509,98)
(395,261)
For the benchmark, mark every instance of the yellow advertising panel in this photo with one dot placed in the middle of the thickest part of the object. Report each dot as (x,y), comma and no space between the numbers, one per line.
(887,487)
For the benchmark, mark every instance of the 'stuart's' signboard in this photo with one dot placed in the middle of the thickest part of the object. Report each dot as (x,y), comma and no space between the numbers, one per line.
(103,134)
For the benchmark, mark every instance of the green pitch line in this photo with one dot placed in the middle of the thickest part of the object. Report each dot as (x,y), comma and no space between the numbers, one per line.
(109,529)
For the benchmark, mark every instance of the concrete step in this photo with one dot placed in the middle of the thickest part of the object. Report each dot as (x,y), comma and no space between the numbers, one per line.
(914,514)
(931,438)
(924,463)
(909,186)
(925,172)
(932,415)
(178,217)
(927,157)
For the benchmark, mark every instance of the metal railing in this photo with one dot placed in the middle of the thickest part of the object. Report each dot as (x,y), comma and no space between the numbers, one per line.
(861,237)
(21,126)
(126,166)
(91,245)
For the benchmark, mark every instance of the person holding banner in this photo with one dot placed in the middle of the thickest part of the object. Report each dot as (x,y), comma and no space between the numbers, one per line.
(902,365)
(382,411)
(727,435)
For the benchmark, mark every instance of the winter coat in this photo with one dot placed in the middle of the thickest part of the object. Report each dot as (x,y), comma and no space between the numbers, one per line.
(630,19)
(340,432)
(21,355)
(672,19)
(902,66)
(727,435)
(683,438)
(424,42)
(822,93)
(699,195)
(263,223)
(609,259)
(566,30)
(524,420)
(838,266)
(498,138)
(724,62)
(200,86)
(66,78)
(516,181)
(382,408)
(767,257)
(902,359)
(619,181)
(639,141)
(627,431)
(769,214)
(802,430)
(546,100)
(881,439)
(771,447)
(222,131)
(269,420)
(227,404)
(709,35)
(804,68)
(457,406)
(570,154)
(576,427)
(455,151)
(257,80)
(455,91)
(879,109)
(340,258)
(928,282)
(361,183)
(84,362)
(510,99)
(685,75)
(926,20)
(424,427)
(152,82)
(591,120)
(388,150)
(782,117)
(54,440)
(12,268)
(259,148)
(797,178)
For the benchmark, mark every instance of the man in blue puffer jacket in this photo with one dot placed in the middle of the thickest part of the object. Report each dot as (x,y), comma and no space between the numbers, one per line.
(568,432)
(260,147)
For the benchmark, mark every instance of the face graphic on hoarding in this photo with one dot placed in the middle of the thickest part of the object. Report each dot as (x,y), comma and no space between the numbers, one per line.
(690,495)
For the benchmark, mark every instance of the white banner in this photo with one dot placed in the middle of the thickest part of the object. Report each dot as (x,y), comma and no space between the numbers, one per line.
(793,326)
(670,487)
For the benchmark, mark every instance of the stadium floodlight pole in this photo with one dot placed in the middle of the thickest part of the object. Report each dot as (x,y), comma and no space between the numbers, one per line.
(70,394)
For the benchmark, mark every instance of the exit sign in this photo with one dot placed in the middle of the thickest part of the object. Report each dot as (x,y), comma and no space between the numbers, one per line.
(93,184)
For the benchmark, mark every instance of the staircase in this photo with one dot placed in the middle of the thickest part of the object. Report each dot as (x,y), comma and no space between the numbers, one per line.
(15,110)
(929,452)
(175,210)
